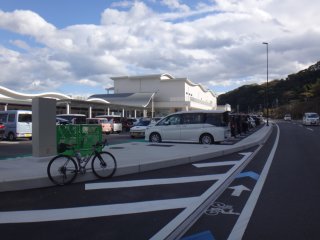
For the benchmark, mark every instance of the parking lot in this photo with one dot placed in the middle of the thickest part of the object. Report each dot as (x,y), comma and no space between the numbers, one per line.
(23,147)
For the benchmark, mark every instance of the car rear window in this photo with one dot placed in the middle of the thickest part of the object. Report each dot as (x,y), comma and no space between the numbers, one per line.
(25,117)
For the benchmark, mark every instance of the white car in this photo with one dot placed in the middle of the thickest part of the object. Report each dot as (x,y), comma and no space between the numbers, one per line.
(139,129)
(204,127)
(287,117)
(310,118)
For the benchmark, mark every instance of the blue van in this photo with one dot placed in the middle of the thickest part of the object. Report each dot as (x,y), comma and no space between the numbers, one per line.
(18,124)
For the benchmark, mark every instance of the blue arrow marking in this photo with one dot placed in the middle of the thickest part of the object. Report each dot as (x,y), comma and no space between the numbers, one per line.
(251,174)
(200,236)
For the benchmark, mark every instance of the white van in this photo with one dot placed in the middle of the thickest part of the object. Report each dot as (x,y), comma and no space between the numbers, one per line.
(310,118)
(205,127)
(18,123)
(115,120)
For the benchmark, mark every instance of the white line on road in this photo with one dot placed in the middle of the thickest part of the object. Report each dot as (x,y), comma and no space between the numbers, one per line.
(243,220)
(152,182)
(179,220)
(214,164)
(310,129)
(93,211)
(6,142)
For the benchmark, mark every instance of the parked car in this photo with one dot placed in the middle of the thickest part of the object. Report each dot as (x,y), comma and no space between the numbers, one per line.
(74,118)
(115,121)
(2,130)
(62,121)
(139,129)
(18,123)
(251,122)
(310,118)
(154,120)
(287,117)
(128,123)
(106,126)
(205,127)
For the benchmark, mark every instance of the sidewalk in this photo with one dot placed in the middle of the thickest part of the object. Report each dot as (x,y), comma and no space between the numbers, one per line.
(30,172)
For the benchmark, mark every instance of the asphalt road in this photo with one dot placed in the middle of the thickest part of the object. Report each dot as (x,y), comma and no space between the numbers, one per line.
(279,202)
(288,206)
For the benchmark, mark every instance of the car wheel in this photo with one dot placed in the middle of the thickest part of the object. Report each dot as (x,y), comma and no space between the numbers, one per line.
(206,139)
(155,137)
(11,137)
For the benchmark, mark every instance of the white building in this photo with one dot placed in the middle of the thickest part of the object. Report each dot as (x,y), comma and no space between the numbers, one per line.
(161,94)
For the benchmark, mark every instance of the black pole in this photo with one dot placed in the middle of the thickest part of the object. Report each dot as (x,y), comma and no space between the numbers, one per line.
(267,97)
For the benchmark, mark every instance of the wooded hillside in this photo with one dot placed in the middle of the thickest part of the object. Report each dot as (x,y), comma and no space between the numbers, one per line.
(298,93)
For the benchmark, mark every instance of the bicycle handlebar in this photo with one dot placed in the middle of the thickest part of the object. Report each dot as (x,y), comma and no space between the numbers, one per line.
(101,143)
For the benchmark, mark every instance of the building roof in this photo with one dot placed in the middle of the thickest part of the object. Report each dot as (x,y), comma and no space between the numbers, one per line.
(22,96)
(125,99)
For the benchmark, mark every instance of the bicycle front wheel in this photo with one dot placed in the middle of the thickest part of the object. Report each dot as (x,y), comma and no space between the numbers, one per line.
(62,170)
(104,165)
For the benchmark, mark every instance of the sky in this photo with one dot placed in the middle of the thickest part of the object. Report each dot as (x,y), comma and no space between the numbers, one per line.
(74,47)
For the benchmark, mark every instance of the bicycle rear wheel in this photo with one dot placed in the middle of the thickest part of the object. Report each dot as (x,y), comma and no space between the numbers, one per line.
(104,165)
(62,170)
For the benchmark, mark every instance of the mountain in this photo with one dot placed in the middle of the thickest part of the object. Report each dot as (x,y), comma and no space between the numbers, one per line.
(298,93)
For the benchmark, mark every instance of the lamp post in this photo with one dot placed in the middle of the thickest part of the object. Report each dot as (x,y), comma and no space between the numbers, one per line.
(267,101)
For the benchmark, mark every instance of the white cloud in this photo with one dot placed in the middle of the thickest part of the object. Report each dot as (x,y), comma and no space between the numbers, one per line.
(88,82)
(175,5)
(218,44)
(20,44)
(122,4)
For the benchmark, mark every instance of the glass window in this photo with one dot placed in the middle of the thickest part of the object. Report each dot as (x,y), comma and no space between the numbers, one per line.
(12,117)
(25,117)
(193,118)
(117,120)
(313,115)
(215,119)
(3,117)
(143,123)
(171,120)
(93,121)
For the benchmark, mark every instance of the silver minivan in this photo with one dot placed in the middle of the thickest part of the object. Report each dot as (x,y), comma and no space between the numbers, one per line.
(204,127)
(18,124)
(310,118)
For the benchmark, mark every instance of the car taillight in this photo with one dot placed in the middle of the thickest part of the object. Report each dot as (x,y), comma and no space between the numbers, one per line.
(2,126)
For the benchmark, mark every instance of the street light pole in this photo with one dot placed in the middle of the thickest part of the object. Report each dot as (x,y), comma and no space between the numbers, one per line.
(267,101)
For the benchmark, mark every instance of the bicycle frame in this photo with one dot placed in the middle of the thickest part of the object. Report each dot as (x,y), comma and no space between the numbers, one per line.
(83,161)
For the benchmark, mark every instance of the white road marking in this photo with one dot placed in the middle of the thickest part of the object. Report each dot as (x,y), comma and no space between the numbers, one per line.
(187,212)
(6,142)
(214,164)
(152,182)
(93,211)
(243,220)
(310,129)
(237,190)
